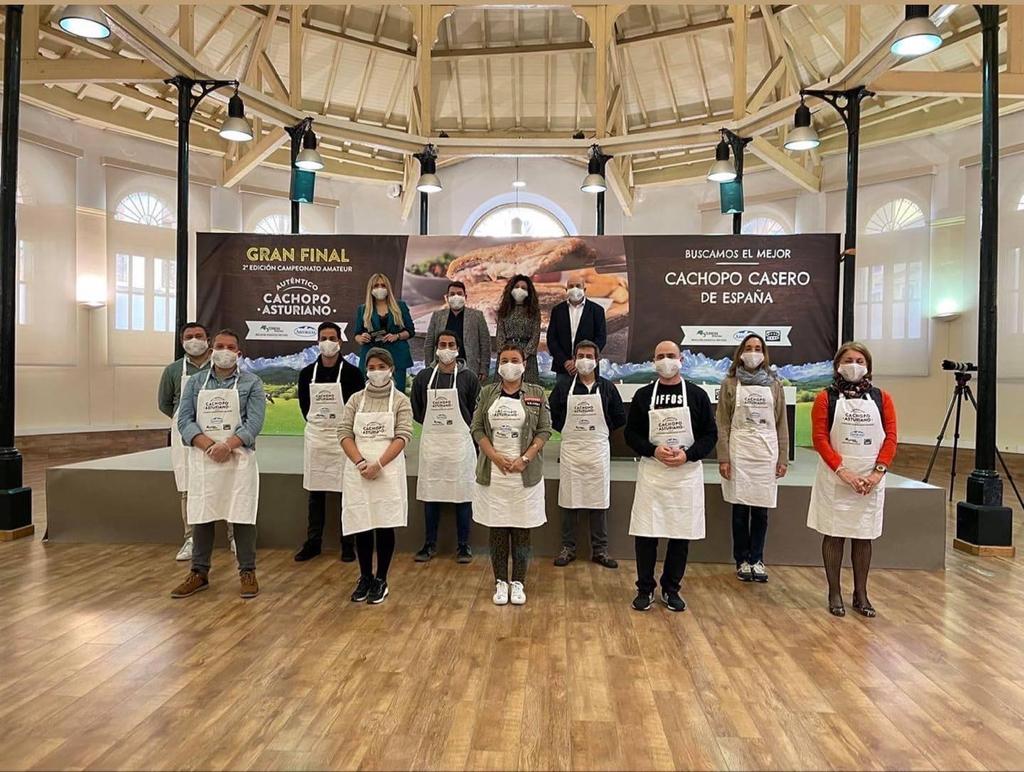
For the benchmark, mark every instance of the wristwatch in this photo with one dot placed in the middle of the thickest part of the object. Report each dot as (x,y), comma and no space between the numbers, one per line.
(524,458)
(881,468)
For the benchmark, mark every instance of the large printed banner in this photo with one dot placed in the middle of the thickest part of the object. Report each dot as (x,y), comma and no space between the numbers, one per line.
(706,292)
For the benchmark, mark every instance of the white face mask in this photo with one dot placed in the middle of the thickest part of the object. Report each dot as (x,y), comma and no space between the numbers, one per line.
(195,347)
(511,371)
(853,372)
(378,377)
(330,348)
(575,294)
(586,366)
(668,368)
(225,358)
(752,359)
(456,302)
(446,355)
(519,294)
(380,293)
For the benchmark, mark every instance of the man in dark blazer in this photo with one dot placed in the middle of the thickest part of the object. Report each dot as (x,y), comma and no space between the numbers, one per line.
(573,320)
(470,328)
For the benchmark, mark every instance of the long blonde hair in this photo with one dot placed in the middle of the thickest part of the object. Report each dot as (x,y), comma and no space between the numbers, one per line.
(370,304)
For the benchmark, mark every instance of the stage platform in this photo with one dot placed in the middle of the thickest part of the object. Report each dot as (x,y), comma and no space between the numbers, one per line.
(131,499)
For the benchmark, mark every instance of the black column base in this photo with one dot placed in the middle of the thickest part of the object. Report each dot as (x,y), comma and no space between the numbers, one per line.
(15,508)
(984,525)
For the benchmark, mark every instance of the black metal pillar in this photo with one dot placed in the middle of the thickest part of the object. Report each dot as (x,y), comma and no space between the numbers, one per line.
(15,498)
(424,213)
(737,144)
(296,143)
(600,213)
(982,519)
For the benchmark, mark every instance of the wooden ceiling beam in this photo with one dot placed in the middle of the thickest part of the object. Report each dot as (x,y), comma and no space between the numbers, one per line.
(187,28)
(258,46)
(765,88)
(216,29)
(30,32)
(253,157)
(739,60)
(851,35)
(273,78)
(691,29)
(944,84)
(295,38)
(782,163)
(1015,39)
(87,70)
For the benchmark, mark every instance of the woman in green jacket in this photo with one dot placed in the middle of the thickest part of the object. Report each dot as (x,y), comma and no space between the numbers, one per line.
(511,424)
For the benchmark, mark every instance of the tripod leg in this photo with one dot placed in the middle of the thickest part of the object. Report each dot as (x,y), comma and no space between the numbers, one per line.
(956,436)
(942,435)
(1002,461)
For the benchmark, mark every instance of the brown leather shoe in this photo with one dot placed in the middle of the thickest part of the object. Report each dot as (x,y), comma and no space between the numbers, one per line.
(250,587)
(193,583)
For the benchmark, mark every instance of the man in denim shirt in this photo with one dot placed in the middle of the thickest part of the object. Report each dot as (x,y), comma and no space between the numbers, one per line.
(219,418)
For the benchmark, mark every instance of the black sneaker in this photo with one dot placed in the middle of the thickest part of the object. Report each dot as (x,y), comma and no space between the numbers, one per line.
(308,551)
(378,592)
(362,590)
(674,601)
(464,555)
(565,557)
(643,600)
(348,552)
(426,553)
(603,560)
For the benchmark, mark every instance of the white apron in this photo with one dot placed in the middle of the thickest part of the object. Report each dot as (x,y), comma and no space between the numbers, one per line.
(179,453)
(506,502)
(836,509)
(669,501)
(228,491)
(447,470)
(585,460)
(753,449)
(323,460)
(384,501)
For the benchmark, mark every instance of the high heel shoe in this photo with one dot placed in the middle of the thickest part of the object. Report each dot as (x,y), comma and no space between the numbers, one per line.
(866,609)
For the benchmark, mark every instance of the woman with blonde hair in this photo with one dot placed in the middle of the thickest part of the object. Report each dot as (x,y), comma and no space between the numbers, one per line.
(753,451)
(853,424)
(383,321)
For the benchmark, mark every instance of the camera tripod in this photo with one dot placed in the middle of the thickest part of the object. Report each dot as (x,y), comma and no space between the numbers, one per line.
(961,393)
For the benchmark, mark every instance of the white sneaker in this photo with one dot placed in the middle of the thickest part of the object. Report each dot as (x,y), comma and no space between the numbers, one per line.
(500,593)
(518,594)
(745,573)
(185,553)
(759,572)
(231,543)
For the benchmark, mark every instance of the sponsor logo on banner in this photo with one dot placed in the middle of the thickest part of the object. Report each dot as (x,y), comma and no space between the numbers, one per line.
(286,330)
(728,335)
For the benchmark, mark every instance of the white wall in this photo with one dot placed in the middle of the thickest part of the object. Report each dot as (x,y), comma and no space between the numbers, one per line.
(87,392)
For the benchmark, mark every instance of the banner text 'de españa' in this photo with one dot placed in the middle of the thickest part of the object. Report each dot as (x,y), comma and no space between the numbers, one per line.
(737,287)
(296,259)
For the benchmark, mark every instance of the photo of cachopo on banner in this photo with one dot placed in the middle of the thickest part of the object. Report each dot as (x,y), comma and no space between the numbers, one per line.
(706,292)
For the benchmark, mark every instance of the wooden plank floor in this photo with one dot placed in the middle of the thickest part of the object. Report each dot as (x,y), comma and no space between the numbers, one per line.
(100,669)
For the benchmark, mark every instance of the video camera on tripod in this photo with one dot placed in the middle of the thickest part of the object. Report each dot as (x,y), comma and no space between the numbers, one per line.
(960,367)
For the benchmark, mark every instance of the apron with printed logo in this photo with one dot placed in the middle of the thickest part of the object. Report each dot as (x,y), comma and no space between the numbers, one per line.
(231,490)
(384,501)
(447,469)
(836,509)
(753,449)
(669,501)
(323,460)
(179,453)
(506,502)
(585,454)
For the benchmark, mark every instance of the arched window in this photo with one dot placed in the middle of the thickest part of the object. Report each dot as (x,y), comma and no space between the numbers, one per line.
(518,220)
(142,208)
(274,225)
(896,215)
(764,226)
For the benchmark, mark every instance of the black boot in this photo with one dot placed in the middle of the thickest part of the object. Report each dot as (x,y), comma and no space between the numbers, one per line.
(308,551)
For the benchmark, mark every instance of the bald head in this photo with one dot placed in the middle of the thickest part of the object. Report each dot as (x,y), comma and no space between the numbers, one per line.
(667,349)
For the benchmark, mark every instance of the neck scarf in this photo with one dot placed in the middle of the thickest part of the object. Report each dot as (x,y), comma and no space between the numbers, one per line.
(759,377)
(851,390)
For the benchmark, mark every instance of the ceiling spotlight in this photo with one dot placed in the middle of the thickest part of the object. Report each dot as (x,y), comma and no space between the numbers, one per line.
(722,170)
(917,34)
(803,136)
(85,21)
(579,135)
(429,181)
(309,158)
(594,182)
(236,128)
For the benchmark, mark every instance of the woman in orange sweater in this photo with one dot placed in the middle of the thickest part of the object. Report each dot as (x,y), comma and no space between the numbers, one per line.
(854,430)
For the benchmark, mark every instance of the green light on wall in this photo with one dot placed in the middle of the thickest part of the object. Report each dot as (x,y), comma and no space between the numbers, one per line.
(731,194)
(302,186)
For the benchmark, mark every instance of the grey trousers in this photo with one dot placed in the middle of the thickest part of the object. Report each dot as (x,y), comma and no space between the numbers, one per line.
(598,529)
(184,518)
(202,546)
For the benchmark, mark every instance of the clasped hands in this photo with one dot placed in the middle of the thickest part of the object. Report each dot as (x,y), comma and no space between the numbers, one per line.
(368,470)
(508,465)
(725,469)
(862,484)
(670,456)
(218,451)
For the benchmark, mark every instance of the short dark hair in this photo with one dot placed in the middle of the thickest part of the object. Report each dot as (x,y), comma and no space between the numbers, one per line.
(328,326)
(458,284)
(232,333)
(587,344)
(447,333)
(512,347)
(188,325)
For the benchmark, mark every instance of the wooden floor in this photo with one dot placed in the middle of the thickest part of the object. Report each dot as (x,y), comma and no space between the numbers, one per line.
(100,669)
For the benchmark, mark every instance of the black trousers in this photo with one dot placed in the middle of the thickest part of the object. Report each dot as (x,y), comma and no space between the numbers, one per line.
(317,518)
(749,530)
(384,541)
(672,572)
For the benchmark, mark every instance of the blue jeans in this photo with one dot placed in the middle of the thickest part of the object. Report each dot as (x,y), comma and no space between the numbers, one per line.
(463,515)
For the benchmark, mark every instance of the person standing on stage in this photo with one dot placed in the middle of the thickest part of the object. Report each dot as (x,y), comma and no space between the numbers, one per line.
(573,320)
(853,425)
(221,415)
(195,341)
(470,328)
(672,427)
(376,426)
(324,388)
(511,423)
(585,409)
(753,450)
(383,321)
(443,400)
(519,323)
